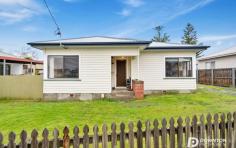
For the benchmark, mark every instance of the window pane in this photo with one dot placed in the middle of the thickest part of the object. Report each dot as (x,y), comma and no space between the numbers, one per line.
(185,67)
(171,67)
(1,69)
(71,66)
(63,67)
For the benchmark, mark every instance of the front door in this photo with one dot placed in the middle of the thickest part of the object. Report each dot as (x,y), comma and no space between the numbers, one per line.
(121,73)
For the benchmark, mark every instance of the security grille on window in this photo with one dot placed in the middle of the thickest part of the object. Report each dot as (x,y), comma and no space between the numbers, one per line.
(63,66)
(179,67)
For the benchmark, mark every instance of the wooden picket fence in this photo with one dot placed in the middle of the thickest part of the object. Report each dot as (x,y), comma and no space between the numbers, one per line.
(167,135)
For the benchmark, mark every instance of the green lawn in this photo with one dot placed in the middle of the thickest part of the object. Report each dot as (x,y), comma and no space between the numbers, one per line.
(18,115)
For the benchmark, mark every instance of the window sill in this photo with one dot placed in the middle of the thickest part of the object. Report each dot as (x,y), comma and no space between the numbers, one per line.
(64,79)
(179,78)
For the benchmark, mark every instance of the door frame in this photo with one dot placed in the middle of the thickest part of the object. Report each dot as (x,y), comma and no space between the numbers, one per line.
(126,61)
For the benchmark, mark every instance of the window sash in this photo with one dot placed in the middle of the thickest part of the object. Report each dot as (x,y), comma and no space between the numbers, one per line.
(178,67)
(63,66)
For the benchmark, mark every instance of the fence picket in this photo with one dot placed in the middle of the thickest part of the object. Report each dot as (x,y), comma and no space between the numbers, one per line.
(76,140)
(187,130)
(11,138)
(148,134)
(55,138)
(195,127)
(66,138)
(139,135)
(234,135)
(104,136)
(45,141)
(209,130)
(156,134)
(1,141)
(222,129)
(23,138)
(164,134)
(113,135)
(86,137)
(215,130)
(202,131)
(180,133)
(122,135)
(95,137)
(229,131)
(34,140)
(172,133)
(131,135)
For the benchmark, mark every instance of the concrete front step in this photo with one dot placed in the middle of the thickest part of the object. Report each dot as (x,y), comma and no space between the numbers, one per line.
(122,94)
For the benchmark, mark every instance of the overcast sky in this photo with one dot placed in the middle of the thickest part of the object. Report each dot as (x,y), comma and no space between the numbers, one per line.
(23,21)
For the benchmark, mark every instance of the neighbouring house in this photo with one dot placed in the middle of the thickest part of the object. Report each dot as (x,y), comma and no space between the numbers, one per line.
(13,65)
(219,60)
(95,67)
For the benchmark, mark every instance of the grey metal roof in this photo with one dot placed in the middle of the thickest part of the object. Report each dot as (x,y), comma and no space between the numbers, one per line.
(227,52)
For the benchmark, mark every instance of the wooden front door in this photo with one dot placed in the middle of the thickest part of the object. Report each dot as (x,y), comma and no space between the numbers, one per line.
(120,73)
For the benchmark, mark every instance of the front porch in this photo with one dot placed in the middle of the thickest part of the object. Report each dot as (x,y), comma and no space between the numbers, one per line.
(124,69)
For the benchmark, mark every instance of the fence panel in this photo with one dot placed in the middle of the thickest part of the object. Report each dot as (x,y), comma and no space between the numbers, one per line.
(21,87)
(171,135)
(217,77)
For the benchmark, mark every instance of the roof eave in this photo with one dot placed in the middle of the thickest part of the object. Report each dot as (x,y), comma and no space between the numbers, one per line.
(89,44)
(179,47)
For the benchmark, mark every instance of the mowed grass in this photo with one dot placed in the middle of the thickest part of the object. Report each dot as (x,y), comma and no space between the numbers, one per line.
(18,115)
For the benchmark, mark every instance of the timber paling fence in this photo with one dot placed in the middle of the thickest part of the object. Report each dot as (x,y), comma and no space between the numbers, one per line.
(157,135)
(218,77)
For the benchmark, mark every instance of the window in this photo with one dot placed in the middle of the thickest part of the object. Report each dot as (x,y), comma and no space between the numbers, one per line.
(7,70)
(179,67)
(210,65)
(63,67)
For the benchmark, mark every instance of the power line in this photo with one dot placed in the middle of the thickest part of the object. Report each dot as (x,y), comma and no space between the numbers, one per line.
(58,30)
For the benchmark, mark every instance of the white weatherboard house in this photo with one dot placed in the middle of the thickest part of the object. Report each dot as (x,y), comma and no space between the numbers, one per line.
(222,59)
(93,67)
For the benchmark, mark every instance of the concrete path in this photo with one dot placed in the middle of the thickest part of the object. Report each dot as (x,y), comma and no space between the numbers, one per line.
(216,89)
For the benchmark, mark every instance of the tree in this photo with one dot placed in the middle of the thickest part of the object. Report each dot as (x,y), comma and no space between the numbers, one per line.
(29,53)
(190,35)
(160,36)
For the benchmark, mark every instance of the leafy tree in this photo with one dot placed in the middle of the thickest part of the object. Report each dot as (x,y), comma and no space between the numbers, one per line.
(160,36)
(190,35)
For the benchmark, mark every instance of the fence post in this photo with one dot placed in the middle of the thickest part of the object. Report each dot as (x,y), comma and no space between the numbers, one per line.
(131,135)
(202,131)
(215,130)
(55,138)
(1,139)
(234,140)
(139,135)
(212,76)
(45,142)
(172,133)
(23,138)
(229,131)
(164,134)
(148,135)
(66,138)
(86,137)
(180,133)
(12,137)
(104,136)
(95,137)
(233,77)
(156,134)
(76,141)
(113,135)
(34,141)
(122,135)
(222,129)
